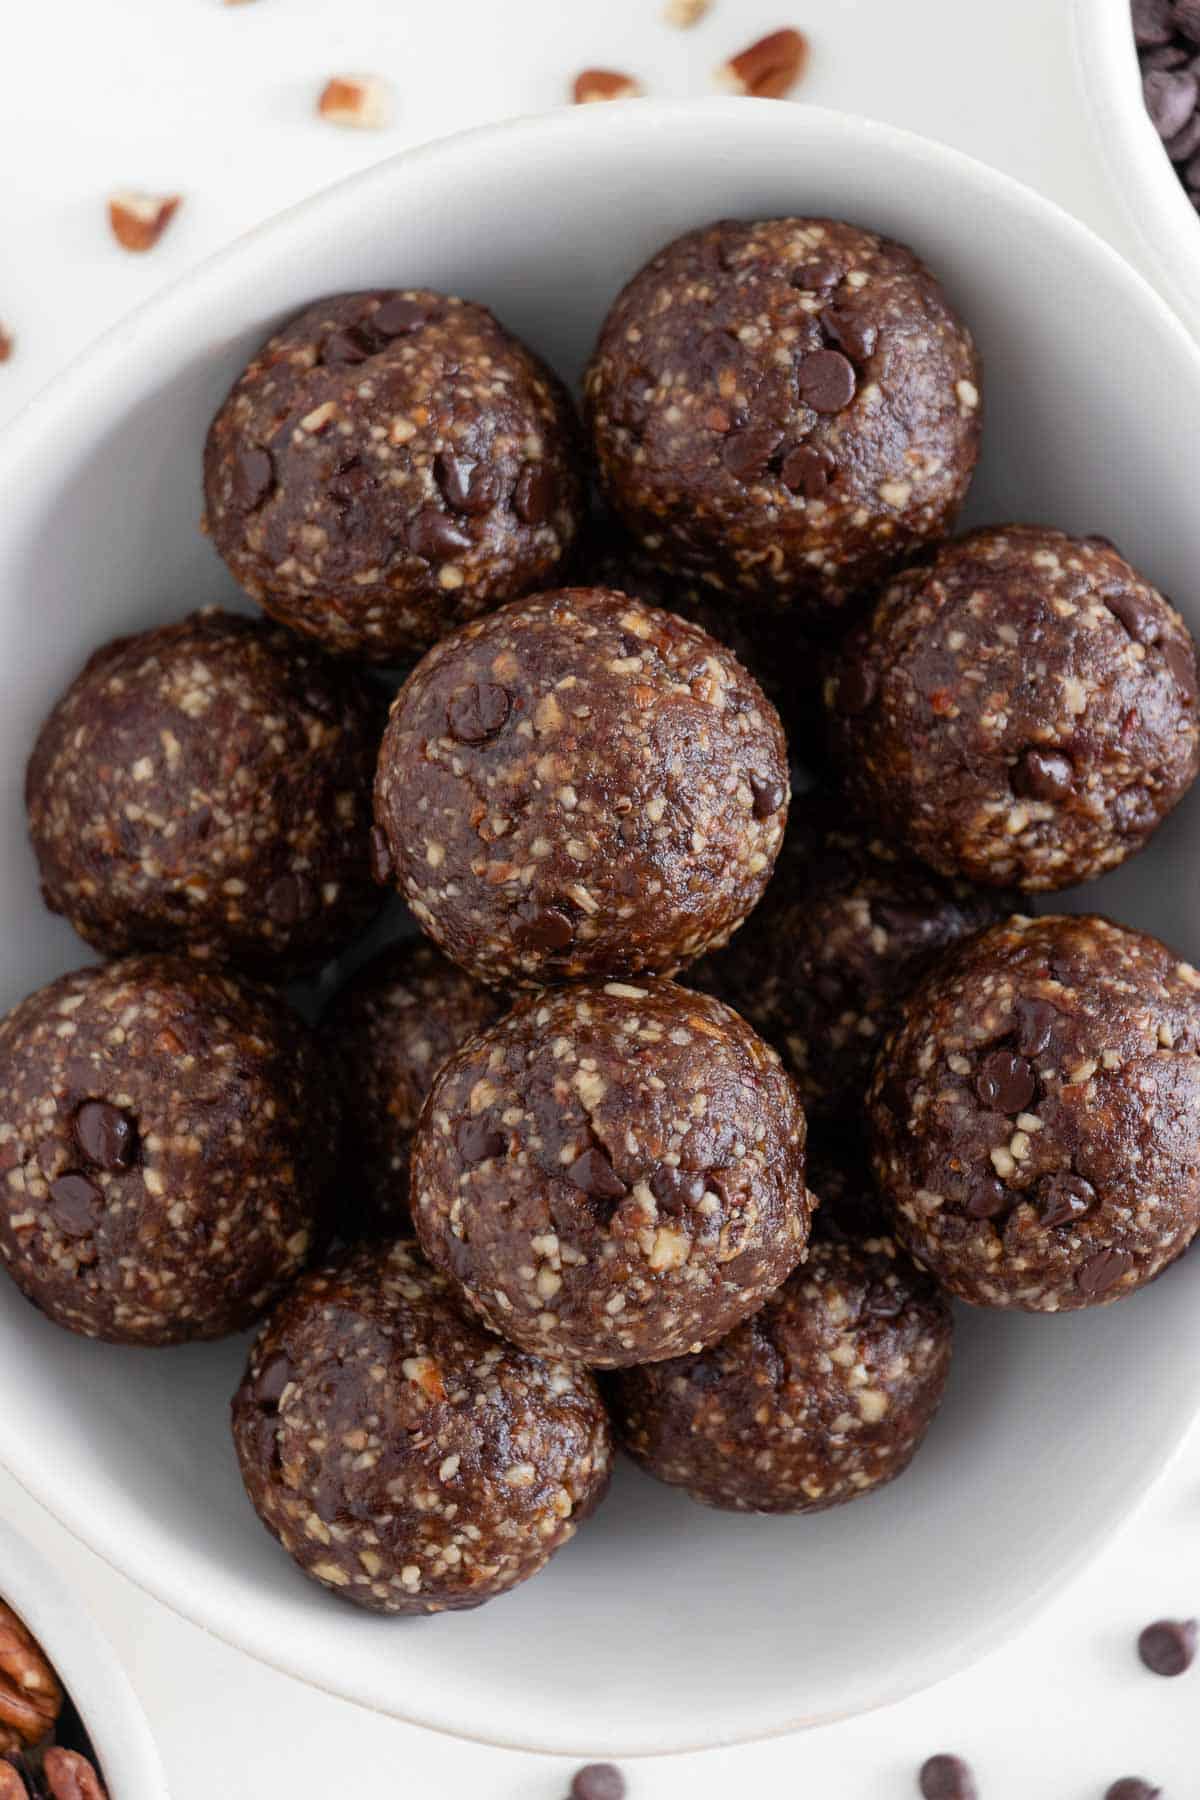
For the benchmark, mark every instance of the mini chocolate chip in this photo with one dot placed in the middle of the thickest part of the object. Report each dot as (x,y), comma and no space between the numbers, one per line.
(1064,1197)
(857,686)
(468,488)
(676,1188)
(988,1198)
(477,1141)
(1168,1647)
(1132,1787)
(826,380)
(815,276)
(290,899)
(381,857)
(253,478)
(106,1135)
(535,927)
(598,1781)
(769,795)
(1103,1271)
(1005,1082)
(477,712)
(74,1198)
(857,337)
(535,494)
(347,346)
(1042,775)
(746,453)
(946,1778)
(1036,1020)
(1180,659)
(399,317)
(1151,22)
(1140,618)
(594,1174)
(270,1381)
(807,470)
(434,537)
(1170,96)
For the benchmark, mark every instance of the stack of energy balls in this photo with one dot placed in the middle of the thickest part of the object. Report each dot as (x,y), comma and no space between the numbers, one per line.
(572,1127)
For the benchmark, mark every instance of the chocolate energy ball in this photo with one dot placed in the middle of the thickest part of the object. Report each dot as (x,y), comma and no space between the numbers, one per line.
(386,1034)
(206,786)
(1037,1114)
(845,929)
(613,1173)
(389,465)
(167,1142)
(1020,709)
(406,1458)
(580,785)
(823,1395)
(785,409)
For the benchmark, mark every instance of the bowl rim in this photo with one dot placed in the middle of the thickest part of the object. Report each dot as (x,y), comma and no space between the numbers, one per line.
(1152,197)
(90,374)
(87,1666)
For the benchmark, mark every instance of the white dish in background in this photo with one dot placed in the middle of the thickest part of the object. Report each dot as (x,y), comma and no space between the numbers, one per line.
(1154,198)
(665,1625)
(87,1668)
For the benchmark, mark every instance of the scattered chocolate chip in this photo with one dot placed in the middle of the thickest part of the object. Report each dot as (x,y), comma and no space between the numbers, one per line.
(815,276)
(435,537)
(769,795)
(106,1135)
(1141,620)
(1180,659)
(400,318)
(988,1198)
(271,1380)
(1168,1647)
(1063,1198)
(676,1188)
(946,1778)
(807,470)
(536,927)
(253,478)
(381,857)
(1042,775)
(1005,1082)
(476,713)
(857,337)
(74,1200)
(470,488)
(747,453)
(290,899)
(826,380)
(1103,1271)
(1151,22)
(1170,96)
(857,686)
(1132,1787)
(349,346)
(598,1781)
(594,1174)
(535,493)
(478,1141)
(1036,1020)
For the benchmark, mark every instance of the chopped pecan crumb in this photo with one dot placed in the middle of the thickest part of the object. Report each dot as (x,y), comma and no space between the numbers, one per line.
(6,344)
(603,84)
(361,101)
(769,68)
(139,220)
(686,12)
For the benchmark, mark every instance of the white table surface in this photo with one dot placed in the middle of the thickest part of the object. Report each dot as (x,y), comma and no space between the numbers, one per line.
(216,102)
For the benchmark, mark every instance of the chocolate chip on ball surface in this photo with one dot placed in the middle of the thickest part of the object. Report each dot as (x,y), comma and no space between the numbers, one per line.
(821,1396)
(1020,709)
(406,1458)
(614,1173)
(388,465)
(1036,1116)
(785,410)
(580,785)
(385,1035)
(167,1142)
(206,786)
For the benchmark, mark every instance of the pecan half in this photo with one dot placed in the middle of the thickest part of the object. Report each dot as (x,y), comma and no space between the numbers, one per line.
(769,68)
(11,1785)
(30,1697)
(69,1776)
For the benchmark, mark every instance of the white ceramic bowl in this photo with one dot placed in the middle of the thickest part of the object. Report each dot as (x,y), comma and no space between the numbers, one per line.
(87,1668)
(1138,167)
(664,1625)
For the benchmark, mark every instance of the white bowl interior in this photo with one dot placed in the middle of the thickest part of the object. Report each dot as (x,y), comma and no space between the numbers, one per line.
(664,1625)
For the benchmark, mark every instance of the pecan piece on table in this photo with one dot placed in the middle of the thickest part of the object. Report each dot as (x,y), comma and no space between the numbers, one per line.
(30,1697)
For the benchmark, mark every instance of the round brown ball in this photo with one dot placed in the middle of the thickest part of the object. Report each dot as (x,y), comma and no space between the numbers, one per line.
(385,1034)
(845,930)
(167,1143)
(388,465)
(822,1396)
(206,786)
(404,1457)
(580,785)
(785,409)
(614,1173)
(1019,710)
(1036,1117)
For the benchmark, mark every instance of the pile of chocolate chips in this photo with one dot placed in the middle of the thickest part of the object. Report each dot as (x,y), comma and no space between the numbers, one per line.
(1167,34)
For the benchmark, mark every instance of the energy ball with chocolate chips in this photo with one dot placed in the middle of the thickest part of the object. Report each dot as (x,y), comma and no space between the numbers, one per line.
(1021,709)
(1037,1114)
(846,928)
(389,465)
(166,1149)
(823,1395)
(580,785)
(206,787)
(406,1458)
(614,1173)
(785,410)
(386,1034)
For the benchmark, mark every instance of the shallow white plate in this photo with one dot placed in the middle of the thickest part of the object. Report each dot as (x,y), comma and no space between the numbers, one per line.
(664,1625)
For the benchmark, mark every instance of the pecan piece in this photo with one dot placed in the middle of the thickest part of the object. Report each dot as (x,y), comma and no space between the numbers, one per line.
(769,68)
(69,1776)
(363,102)
(603,84)
(30,1697)
(11,1785)
(6,343)
(685,12)
(139,220)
